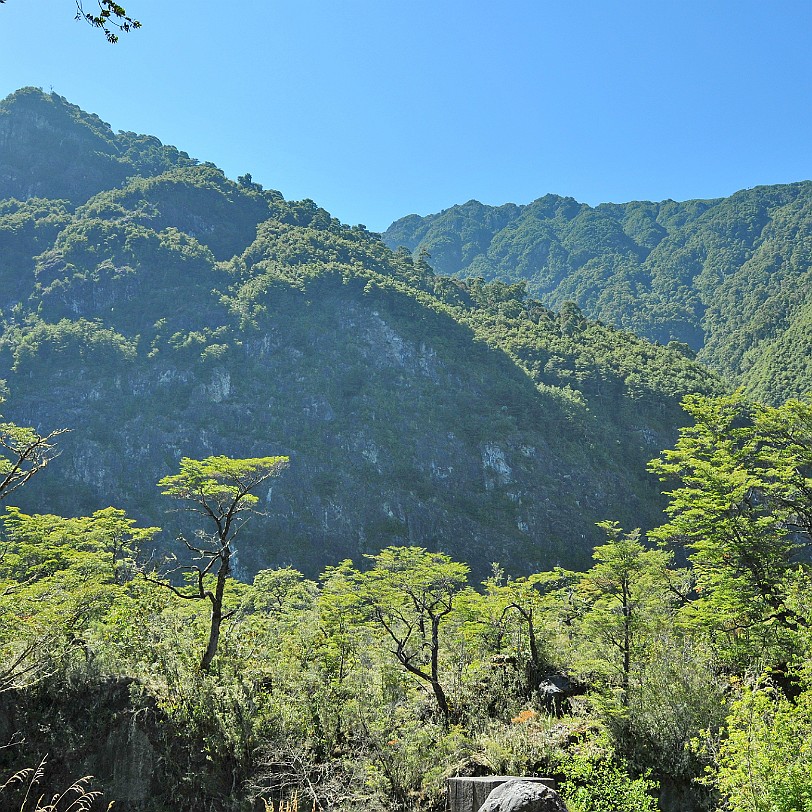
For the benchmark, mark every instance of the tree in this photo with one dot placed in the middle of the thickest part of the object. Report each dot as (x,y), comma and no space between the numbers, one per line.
(742,507)
(220,489)
(110,18)
(58,578)
(247,182)
(623,592)
(281,591)
(521,599)
(23,452)
(410,593)
(340,620)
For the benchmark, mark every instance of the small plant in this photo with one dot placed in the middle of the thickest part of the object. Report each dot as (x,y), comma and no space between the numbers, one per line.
(78,797)
(525,747)
(289,805)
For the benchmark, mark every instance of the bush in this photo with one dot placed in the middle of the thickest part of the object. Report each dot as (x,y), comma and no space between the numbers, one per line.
(605,786)
(765,762)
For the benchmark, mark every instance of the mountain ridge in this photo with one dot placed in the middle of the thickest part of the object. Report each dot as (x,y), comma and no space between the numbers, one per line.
(725,276)
(180,313)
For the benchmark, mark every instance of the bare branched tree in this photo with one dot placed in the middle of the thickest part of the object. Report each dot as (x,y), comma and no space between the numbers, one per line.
(23,452)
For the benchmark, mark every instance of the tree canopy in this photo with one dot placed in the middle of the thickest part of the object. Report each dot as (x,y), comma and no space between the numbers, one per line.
(742,508)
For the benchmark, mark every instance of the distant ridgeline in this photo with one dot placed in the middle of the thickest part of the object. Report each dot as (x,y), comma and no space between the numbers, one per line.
(730,278)
(158,309)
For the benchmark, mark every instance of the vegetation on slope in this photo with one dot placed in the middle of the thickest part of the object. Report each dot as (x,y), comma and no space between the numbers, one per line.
(727,277)
(633,679)
(181,313)
(160,310)
(53,149)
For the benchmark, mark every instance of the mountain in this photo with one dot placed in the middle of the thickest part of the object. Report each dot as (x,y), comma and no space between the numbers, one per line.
(729,277)
(158,310)
(51,148)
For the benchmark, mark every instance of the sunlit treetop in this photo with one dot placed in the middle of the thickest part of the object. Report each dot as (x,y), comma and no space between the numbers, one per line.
(221,487)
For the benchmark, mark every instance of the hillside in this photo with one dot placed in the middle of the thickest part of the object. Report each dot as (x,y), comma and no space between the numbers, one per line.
(729,277)
(158,309)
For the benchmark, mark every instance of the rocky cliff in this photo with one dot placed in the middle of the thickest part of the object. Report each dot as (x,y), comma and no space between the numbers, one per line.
(174,312)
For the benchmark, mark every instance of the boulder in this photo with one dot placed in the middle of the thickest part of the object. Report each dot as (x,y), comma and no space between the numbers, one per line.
(555,690)
(518,795)
(468,793)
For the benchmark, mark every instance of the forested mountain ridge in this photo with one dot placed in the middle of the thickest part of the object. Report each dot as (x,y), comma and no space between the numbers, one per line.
(158,309)
(390,432)
(729,277)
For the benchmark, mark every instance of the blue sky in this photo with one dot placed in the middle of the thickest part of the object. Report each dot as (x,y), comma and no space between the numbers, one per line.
(377,109)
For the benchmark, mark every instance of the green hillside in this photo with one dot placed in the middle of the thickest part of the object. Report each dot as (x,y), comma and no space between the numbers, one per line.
(332,522)
(728,277)
(158,309)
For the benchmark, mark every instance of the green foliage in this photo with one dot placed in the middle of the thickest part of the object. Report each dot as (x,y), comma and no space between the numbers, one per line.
(196,200)
(524,746)
(26,230)
(221,486)
(604,786)
(66,342)
(741,507)
(76,153)
(59,578)
(411,759)
(765,764)
(306,691)
(111,18)
(513,617)
(728,278)
(40,546)
(221,489)
(411,593)
(625,598)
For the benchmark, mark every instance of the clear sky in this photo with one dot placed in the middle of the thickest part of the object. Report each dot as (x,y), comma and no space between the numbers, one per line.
(377,109)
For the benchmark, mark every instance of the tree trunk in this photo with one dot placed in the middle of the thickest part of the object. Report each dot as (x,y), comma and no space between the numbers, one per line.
(214,636)
(535,660)
(627,643)
(439,693)
(442,702)
(216,611)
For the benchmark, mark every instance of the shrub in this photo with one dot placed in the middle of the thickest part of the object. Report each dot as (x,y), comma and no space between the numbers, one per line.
(605,786)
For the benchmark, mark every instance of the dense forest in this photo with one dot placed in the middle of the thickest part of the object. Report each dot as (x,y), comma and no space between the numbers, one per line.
(294,516)
(727,277)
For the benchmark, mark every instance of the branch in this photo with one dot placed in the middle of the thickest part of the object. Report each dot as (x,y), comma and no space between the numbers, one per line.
(175,590)
(36,452)
(111,15)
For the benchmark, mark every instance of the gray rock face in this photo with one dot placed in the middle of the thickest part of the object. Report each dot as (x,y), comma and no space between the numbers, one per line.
(518,795)
(97,730)
(381,451)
